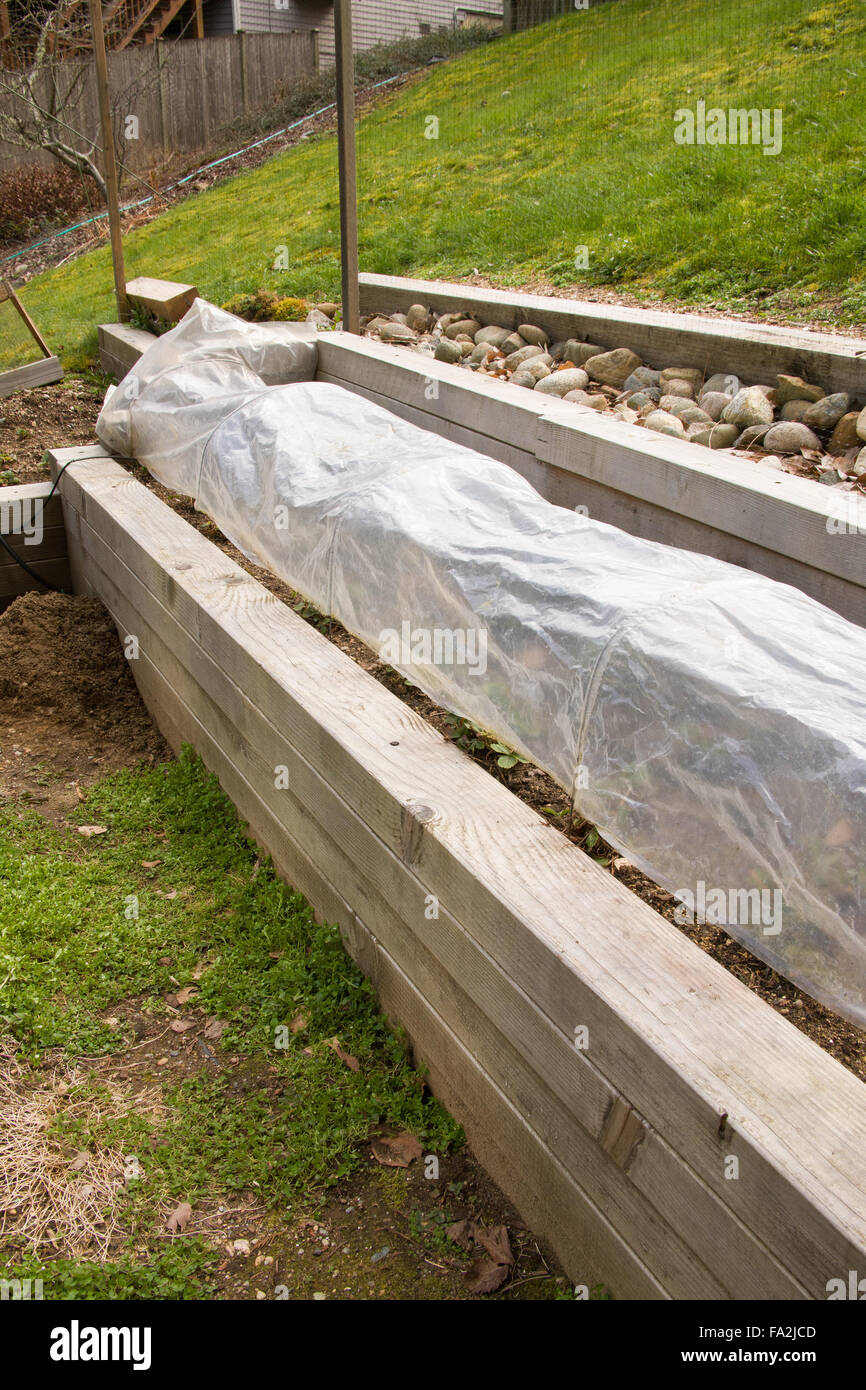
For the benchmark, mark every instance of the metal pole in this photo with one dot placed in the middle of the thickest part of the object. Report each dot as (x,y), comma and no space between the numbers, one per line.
(348,167)
(109,159)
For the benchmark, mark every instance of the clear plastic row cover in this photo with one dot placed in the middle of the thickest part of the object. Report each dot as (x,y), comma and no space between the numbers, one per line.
(710,722)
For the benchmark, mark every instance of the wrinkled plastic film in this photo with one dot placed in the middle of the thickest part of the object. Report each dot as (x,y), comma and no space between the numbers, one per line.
(710,722)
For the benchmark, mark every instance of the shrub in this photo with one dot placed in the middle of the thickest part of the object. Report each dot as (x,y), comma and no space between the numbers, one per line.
(266,305)
(32,198)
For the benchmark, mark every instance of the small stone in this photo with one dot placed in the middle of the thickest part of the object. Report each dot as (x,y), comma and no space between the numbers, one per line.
(859,466)
(751,436)
(328,308)
(713,402)
(579,353)
(716,436)
(794,388)
(378,323)
(693,375)
(448,351)
(613,368)
(584,398)
(861,424)
(467,326)
(789,437)
(524,354)
(678,386)
(650,395)
(748,407)
(513,343)
(445,320)
(315,316)
(663,423)
(493,335)
(417,318)
(845,435)
(685,409)
(397,333)
(559,383)
(724,382)
(826,413)
(531,334)
(795,410)
(642,377)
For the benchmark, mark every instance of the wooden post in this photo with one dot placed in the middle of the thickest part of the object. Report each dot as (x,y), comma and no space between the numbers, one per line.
(245,80)
(109,159)
(199,20)
(348,167)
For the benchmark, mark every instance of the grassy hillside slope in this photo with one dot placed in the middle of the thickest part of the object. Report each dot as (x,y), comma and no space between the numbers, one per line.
(550,140)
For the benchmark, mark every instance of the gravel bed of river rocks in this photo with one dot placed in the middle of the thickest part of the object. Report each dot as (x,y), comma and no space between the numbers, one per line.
(787,423)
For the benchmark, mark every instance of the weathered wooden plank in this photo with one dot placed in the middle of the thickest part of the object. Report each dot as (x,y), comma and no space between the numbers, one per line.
(167,299)
(120,347)
(552,1083)
(41,373)
(669,1026)
(14,580)
(753,351)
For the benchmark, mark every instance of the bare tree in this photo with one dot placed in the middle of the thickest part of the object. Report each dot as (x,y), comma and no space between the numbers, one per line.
(46,90)
(45,69)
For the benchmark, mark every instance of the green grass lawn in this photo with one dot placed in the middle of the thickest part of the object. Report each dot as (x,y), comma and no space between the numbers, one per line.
(94,932)
(550,140)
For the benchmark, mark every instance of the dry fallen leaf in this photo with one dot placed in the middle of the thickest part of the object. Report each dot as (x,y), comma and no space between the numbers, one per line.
(494,1239)
(215,1028)
(485,1276)
(351,1062)
(178,1027)
(80,1161)
(397,1151)
(179,1218)
(298,1023)
(150,863)
(90,830)
(184,995)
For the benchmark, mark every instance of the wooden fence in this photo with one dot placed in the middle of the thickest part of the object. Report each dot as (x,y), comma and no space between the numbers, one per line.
(174,97)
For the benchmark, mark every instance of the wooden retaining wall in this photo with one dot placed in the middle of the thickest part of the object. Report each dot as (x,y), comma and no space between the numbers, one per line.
(619,1151)
(668,490)
(20,509)
(755,352)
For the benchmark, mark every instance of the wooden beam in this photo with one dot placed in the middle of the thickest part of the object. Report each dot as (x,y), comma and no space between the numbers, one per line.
(166,299)
(199,20)
(753,351)
(9,293)
(108,154)
(140,18)
(40,373)
(348,165)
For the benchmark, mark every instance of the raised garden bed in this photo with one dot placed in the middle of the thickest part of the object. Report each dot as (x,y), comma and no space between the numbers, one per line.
(618,1150)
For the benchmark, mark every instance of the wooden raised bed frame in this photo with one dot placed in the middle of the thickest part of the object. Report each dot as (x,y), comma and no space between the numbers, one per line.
(616,1153)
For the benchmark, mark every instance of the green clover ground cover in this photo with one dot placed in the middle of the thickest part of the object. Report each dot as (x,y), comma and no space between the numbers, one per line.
(83,925)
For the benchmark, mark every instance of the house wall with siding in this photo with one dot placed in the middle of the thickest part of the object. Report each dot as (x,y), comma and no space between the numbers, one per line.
(374,21)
